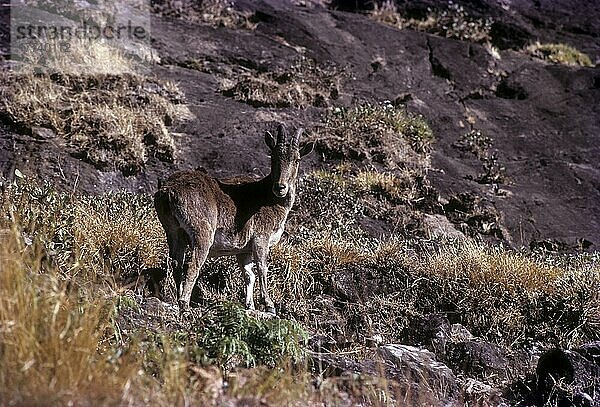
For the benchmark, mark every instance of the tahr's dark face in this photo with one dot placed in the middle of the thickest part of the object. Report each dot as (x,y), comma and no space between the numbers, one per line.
(285,159)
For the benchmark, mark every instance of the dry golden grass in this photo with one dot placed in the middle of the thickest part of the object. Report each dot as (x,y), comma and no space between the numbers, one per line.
(61,257)
(303,84)
(58,347)
(118,236)
(52,344)
(113,121)
(483,266)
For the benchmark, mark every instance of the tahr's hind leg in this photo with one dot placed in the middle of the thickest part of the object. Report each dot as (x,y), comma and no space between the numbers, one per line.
(178,246)
(201,243)
(247,265)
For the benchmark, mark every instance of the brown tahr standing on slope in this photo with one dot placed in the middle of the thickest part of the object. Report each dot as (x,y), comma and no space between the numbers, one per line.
(206,217)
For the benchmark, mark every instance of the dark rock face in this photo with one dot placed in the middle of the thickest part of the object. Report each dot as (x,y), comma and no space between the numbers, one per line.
(478,359)
(542,117)
(507,35)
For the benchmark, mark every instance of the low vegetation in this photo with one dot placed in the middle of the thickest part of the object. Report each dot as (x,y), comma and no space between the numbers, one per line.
(217,13)
(452,22)
(481,146)
(115,122)
(559,54)
(377,133)
(304,83)
(75,271)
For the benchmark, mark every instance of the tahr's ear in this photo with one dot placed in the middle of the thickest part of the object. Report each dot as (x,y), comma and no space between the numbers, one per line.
(270,140)
(307,149)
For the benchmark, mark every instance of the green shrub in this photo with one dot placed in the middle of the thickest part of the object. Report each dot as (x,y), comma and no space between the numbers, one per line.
(231,336)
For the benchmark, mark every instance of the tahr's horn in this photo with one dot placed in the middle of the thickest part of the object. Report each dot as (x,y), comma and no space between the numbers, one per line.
(281,133)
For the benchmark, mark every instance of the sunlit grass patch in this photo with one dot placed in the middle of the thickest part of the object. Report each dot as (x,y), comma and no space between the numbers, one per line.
(484,266)
(559,54)
(451,22)
(380,133)
(524,296)
(52,342)
(84,56)
(59,344)
(400,187)
(304,83)
(116,122)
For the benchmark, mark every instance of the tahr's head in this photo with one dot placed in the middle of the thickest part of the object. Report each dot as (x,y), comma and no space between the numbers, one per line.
(285,158)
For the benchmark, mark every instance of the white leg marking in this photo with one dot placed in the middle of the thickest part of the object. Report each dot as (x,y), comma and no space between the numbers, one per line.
(249,277)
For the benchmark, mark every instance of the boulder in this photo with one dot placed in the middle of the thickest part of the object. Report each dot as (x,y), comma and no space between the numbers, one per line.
(439,226)
(479,359)
(464,353)
(411,374)
(428,379)
(569,377)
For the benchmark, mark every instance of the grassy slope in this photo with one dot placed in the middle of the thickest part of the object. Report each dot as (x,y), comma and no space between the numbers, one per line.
(68,264)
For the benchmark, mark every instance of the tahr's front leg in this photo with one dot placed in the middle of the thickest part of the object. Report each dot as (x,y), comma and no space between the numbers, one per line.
(261,254)
(247,265)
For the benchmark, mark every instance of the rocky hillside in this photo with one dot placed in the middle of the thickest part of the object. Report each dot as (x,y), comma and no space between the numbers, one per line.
(516,135)
(442,251)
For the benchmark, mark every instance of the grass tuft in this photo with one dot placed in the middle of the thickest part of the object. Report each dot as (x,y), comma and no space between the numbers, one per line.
(216,13)
(452,22)
(115,122)
(559,54)
(303,84)
(380,133)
